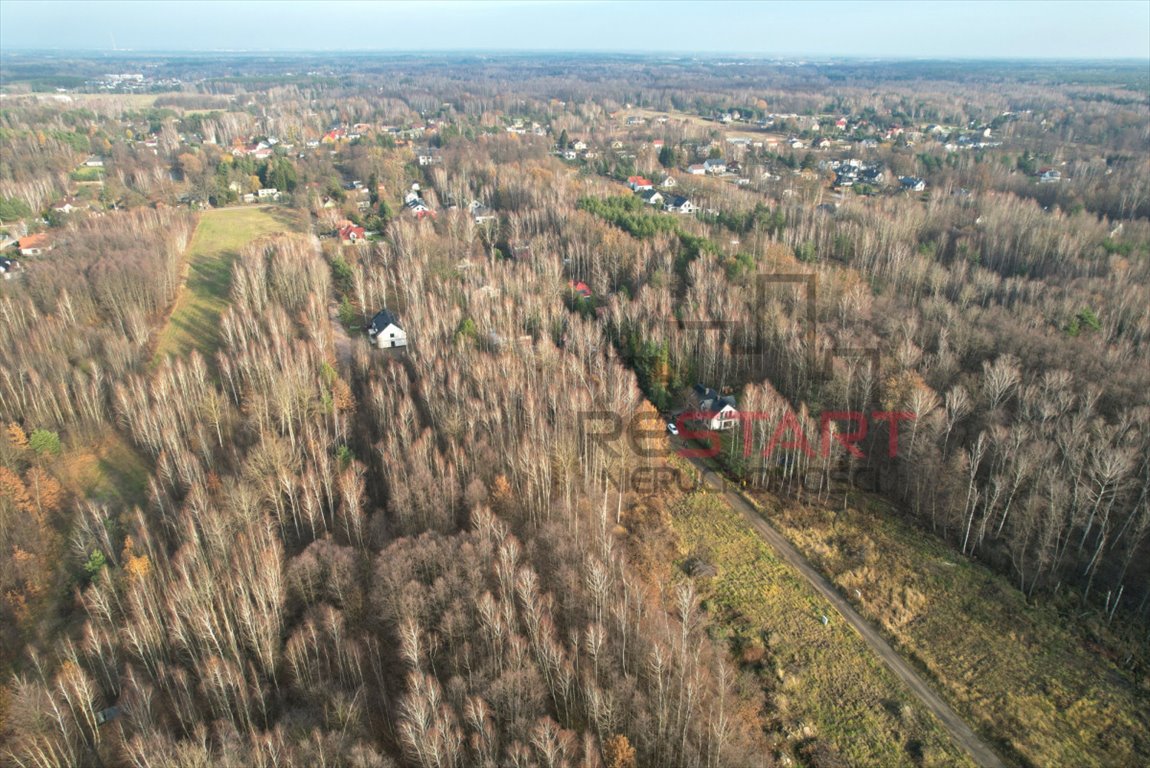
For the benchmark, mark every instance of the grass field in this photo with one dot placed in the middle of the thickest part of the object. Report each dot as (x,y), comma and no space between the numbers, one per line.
(822,680)
(108,470)
(1014,670)
(220,234)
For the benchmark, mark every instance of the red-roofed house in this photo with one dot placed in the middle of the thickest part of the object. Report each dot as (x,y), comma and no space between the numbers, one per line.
(580,288)
(34,245)
(350,234)
(639,184)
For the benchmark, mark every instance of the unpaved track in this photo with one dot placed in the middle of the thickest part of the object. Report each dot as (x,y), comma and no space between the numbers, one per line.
(963,735)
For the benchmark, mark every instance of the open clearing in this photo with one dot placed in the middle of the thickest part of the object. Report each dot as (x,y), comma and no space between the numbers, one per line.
(1013,669)
(820,676)
(220,234)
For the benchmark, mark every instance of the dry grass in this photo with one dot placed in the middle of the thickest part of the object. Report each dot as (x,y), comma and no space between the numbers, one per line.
(1014,670)
(823,680)
(108,470)
(220,234)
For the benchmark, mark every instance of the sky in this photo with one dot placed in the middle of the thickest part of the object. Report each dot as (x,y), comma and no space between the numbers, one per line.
(968,29)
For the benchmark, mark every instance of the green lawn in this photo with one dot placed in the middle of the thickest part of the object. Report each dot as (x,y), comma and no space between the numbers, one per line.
(220,234)
(1016,671)
(822,680)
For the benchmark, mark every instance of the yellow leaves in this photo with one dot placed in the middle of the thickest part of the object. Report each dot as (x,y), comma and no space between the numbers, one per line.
(137,567)
(17,436)
(45,490)
(618,752)
(501,495)
(341,395)
(13,489)
(897,389)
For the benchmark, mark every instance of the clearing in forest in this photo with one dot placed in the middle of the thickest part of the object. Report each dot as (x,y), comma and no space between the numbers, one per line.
(828,691)
(220,234)
(1016,670)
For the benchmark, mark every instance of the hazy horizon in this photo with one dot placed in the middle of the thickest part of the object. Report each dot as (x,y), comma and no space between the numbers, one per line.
(884,29)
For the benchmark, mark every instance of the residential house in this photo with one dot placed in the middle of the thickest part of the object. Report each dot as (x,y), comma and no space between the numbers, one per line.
(652,197)
(570,154)
(350,234)
(713,410)
(34,245)
(1049,176)
(639,184)
(66,206)
(678,204)
(419,209)
(429,156)
(912,183)
(579,146)
(668,182)
(480,212)
(698,169)
(385,331)
(580,288)
(7,267)
(95,161)
(268,193)
(715,165)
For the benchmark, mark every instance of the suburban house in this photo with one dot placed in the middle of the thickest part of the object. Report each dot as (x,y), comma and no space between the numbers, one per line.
(419,209)
(33,245)
(429,156)
(268,193)
(350,233)
(668,182)
(697,169)
(480,212)
(715,166)
(652,197)
(678,204)
(413,202)
(712,409)
(580,288)
(1049,176)
(912,183)
(67,205)
(385,332)
(639,184)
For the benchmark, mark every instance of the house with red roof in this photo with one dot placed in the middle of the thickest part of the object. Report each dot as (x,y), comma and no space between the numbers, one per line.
(580,288)
(350,233)
(34,245)
(639,184)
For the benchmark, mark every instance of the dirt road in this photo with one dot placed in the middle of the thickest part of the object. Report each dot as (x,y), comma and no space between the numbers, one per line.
(963,735)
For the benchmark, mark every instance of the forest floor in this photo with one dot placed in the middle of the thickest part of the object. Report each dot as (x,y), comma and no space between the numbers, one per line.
(219,236)
(1043,693)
